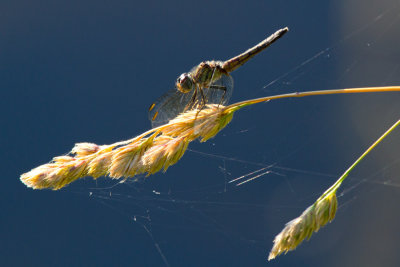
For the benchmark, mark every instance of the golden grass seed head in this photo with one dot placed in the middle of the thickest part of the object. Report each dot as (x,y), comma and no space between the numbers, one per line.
(302,227)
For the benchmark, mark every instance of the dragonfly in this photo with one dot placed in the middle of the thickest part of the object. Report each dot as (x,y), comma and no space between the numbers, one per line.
(209,82)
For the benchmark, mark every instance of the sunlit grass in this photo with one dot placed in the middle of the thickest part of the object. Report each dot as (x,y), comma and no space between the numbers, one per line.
(161,147)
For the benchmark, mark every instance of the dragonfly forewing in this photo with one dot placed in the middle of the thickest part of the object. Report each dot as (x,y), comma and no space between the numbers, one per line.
(167,107)
(174,102)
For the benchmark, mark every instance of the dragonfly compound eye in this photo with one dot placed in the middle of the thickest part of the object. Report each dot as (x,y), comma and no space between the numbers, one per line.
(184,83)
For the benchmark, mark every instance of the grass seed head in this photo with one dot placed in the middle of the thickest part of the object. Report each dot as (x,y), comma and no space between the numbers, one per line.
(148,153)
(311,220)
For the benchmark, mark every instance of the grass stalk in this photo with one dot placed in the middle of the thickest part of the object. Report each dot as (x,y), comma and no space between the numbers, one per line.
(319,214)
(379,89)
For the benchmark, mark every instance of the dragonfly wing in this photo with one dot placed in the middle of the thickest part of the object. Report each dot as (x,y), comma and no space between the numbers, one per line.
(219,91)
(174,102)
(167,107)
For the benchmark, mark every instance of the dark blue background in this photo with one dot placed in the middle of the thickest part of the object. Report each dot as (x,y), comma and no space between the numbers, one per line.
(74,71)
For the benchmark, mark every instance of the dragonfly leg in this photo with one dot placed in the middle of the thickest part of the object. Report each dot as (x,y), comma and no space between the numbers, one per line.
(202,102)
(203,98)
(192,101)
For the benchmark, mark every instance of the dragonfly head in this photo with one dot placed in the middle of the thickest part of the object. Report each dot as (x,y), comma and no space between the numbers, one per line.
(184,83)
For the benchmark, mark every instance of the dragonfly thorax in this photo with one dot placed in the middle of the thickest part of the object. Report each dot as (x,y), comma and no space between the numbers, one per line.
(206,72)
(202,76)
(184,83)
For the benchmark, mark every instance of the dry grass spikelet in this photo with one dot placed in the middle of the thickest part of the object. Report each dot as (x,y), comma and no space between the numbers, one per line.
(84,149)
(203,124)
(165,152)
(62,171)
(147,153)
(126,160)
(99,164)
(310,221)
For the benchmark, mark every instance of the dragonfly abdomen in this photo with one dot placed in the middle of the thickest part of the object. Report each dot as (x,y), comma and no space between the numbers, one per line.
(235,62)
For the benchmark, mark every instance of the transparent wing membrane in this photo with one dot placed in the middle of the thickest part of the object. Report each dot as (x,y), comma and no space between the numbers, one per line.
(174,102)
(168,106)
(219,91)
